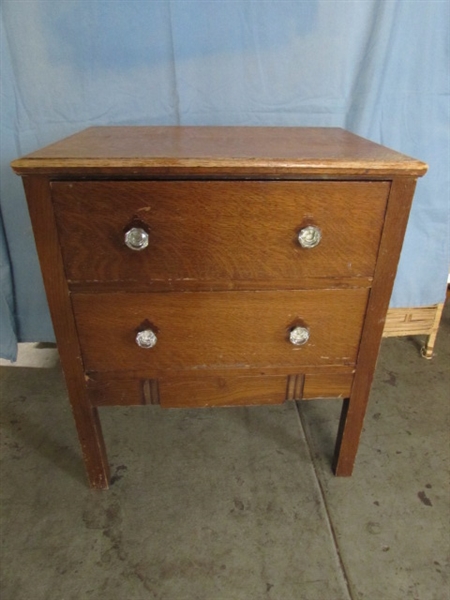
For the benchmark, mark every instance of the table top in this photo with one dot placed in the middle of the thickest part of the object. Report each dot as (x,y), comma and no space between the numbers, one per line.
(138,150)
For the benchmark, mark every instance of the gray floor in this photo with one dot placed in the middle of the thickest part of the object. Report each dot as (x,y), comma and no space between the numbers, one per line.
(231,504)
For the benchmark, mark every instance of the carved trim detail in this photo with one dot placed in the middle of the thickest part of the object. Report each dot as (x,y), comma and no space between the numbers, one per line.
(294,390)
(150,391)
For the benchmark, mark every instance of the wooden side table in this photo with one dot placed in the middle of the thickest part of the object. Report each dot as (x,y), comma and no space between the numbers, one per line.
(204,266)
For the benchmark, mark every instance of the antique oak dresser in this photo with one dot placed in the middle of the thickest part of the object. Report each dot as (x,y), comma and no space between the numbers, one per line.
(217,266)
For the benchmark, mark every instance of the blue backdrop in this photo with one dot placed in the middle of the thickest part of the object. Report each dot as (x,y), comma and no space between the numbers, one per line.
(378,68)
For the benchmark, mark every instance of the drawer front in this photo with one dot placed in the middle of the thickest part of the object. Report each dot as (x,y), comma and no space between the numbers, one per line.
(215,231)
(207,330)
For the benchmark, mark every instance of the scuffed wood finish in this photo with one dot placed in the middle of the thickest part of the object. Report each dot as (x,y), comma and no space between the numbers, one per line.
(86,417)
(218,231)
(212,330)
(230,151)
(223,278)
(271,370)
(336,385)
(196,285)
(354,408)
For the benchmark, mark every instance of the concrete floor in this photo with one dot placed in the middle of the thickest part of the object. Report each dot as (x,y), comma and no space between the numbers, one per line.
(230,504)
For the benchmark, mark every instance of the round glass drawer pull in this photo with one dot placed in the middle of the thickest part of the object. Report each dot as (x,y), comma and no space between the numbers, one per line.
(146,338)
(309,237)
(136,238)
(299,336)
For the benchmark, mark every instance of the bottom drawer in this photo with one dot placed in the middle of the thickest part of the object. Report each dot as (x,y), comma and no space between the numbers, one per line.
(213,330)
(195,390)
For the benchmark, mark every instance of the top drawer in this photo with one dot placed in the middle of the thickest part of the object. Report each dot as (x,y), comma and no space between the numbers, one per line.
(218,231)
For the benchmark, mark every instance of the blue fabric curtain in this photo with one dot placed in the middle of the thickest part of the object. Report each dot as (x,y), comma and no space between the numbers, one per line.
(377,68)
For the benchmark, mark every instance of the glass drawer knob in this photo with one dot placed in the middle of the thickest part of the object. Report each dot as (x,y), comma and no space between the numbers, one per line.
(299,336)
(309,237)
(136,238)
(146,338)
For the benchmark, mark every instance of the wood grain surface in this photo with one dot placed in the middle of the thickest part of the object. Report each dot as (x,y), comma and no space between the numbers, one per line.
(223,279)
(209,390)
(232,151)
(86,416)
(215,388)
(215,232)
(199,330)
(354,409)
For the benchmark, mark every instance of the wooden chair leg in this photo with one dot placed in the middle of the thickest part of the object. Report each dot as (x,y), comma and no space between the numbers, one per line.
(427,350)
